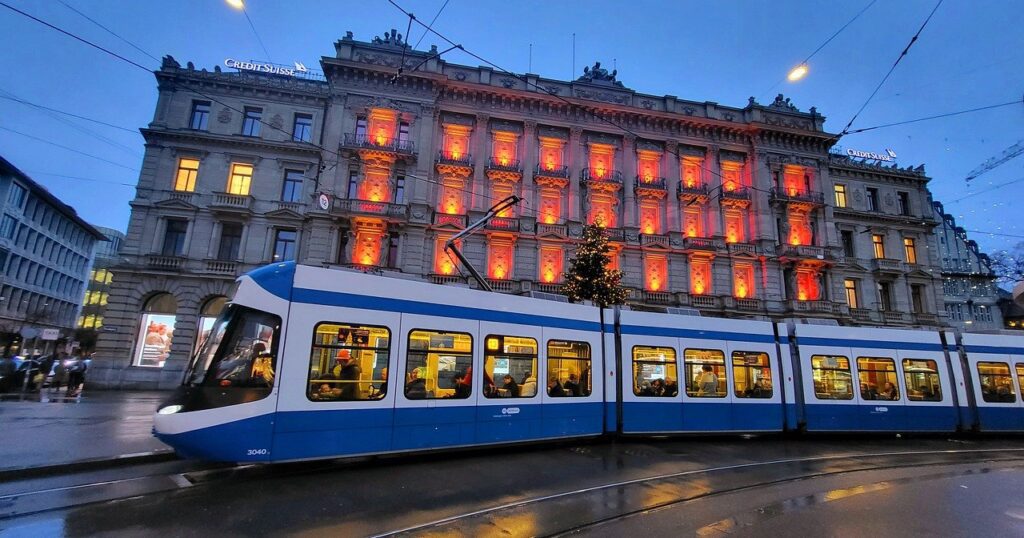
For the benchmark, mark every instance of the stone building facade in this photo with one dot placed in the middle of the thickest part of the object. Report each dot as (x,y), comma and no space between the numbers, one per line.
(46,253)
(970,294)
(729,210)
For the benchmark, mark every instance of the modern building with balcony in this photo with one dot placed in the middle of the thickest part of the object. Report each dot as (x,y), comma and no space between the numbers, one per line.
(46,252)
(969,291)
(725,209)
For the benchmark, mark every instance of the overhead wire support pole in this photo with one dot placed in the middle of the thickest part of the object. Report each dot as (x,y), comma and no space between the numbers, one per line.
(449,245)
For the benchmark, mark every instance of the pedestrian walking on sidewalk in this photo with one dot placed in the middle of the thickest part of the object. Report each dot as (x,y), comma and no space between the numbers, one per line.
(60,373)
(76,374)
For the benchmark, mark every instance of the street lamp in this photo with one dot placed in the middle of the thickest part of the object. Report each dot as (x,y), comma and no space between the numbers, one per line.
(237,4)
(796,73)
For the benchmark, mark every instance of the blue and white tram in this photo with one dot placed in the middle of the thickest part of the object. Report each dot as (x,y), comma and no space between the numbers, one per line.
(310,363)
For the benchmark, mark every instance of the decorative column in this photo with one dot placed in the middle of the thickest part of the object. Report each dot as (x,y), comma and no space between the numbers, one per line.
(672,176)
(481,194)
(629,172)
(575,159)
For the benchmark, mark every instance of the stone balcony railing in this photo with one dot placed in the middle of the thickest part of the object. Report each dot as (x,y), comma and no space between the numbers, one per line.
(820,307)
(742,248)
(695,192)
(445,279)
(464,160)
(503,223)
(548,288)
(552,229)
(510,166)
(887,265)
(653,184)
(861,314)
(658,297)
(442,219)
(648,240)
(741,193)
(219,267)
(165,263)
(747,304)
(391,145)
(704,301)
(367,207)
(503,286)
(231,201)
(891,316)
(701,243)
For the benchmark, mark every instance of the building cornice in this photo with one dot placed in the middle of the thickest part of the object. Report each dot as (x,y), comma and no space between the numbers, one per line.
(153,136)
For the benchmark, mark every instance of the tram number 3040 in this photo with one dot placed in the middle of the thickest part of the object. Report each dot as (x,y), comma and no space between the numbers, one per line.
(257,452)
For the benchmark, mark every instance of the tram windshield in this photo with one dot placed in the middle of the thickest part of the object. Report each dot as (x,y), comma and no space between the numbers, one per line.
(241,350)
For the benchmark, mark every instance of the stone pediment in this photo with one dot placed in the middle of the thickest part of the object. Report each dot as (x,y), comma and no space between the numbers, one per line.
(283,214)
(918,273)
(174,203)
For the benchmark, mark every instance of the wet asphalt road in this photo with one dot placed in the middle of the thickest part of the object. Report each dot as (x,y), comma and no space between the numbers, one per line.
(681,487)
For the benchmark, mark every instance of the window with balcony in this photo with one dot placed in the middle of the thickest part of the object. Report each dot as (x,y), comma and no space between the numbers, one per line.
(284,245)
(361,129)
(872,199)
(403,134)
(185,179)
(353,185)
(878,242)
(851,293)
(174,237)
(230,241)
(393,249)
(302,130)
(400,190)
(240,180)
(903,203)
(840,195)
(691,170)
(200,115)
(917,298)
(251,123)
(743,281)
(292,189)
(910,250)
(885,296)
(848,248)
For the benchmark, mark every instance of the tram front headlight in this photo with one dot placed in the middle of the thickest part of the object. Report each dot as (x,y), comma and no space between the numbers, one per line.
(169,410)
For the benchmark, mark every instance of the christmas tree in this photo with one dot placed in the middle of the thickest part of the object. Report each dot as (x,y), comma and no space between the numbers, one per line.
(589,277)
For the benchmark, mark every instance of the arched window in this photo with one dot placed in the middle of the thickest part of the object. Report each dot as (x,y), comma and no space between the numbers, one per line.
(156,331)
(207,315)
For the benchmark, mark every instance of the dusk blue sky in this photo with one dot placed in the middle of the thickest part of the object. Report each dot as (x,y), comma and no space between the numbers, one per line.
(970,55)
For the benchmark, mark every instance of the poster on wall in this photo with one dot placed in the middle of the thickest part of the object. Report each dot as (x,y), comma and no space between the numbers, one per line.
(155,336)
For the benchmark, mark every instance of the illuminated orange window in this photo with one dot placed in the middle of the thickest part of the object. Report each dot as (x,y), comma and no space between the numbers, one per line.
(731,176)
(374,186)
(499,259)
(550,264)
(613,258)
(807,285)
(743,281)
(648,165)
(799,229)
(368,242)
(503,150)
(500,191)
(700,277)
(602,160)
(693,222)
(650,218)
(551,153)
(735,226)
(602,212)
(443,263)
(456,141)
(656,273)
(450,199)
(382,125)
(793,180)
(691,172)
(550,207)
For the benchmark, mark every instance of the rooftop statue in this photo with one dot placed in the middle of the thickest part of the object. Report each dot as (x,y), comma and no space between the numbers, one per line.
(599,74)
(392,38)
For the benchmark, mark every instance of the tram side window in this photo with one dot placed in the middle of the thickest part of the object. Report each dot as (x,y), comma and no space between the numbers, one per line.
(1020,375)
(569,365)
(654,371)
(996,382)
(877,376)
(439,365)
(348,362)
(921,377)
(705,373)
(832,378)
(509,363)
(751,374)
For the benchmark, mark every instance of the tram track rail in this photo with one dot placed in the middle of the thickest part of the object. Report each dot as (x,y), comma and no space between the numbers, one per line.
(671,489)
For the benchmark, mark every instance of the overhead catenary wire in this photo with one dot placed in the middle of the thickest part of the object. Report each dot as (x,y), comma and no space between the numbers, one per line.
(983,191)
(432,21)
(108,30)
(938,116)
(11,97)
(899,58)
(80,178)
(255,33)
(26,135)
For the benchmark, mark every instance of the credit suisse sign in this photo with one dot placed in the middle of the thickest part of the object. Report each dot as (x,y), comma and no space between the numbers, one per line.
(888,156)
(265,67)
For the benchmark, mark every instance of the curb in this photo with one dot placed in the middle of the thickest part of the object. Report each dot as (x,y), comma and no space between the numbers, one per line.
(93,464)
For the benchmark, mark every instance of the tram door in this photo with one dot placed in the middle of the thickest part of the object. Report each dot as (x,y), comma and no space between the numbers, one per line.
(437,369)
